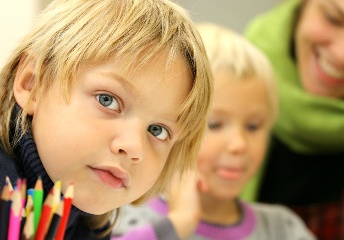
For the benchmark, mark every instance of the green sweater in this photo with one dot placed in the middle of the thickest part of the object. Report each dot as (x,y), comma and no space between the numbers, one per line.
(310,126)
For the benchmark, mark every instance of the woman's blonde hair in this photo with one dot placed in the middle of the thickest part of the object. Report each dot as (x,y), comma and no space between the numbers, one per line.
(231,52)
(72,32)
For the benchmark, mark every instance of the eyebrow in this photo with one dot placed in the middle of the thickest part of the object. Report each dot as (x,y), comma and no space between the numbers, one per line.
(130,87)
(127,85)
(336,7)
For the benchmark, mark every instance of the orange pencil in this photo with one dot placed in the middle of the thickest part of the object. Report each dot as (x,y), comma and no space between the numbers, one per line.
(67,201)
(45,215)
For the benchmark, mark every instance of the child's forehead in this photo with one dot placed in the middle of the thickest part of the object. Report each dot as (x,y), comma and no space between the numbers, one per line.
(233,89)
(129,64)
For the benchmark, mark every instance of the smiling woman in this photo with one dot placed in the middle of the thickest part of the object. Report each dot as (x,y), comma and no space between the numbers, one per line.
(304,169)
(111,96)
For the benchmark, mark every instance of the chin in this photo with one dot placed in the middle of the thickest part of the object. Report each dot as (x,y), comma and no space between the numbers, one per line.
(91,208)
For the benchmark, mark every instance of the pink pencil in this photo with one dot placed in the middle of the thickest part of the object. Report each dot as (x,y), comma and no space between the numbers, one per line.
(15,216)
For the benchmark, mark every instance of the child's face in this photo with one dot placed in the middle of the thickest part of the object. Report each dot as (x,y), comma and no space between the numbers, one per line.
(238,130)
(114,136)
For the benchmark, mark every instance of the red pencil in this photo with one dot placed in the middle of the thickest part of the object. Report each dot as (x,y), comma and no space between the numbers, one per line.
(67,201)
(45,215)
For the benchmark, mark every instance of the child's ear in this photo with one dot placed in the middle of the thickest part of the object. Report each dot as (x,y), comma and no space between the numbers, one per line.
(24,82)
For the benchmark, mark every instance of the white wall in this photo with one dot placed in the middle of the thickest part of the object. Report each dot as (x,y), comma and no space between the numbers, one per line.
(18,16)
(234,14)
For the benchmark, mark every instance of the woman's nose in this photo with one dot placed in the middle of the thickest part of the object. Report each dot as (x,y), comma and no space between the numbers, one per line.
(338,49)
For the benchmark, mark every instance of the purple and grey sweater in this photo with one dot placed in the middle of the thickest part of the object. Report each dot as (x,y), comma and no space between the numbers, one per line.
(259,221)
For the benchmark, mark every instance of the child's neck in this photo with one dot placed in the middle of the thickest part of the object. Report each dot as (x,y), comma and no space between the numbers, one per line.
(219,211)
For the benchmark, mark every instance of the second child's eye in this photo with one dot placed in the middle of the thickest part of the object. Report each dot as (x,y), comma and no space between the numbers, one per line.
(214,125)
(333,20)
(252,127)
(108,101)
(158,132)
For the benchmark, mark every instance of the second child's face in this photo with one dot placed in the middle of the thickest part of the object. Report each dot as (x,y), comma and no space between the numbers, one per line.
(238,131)
(320,49)
(114,136)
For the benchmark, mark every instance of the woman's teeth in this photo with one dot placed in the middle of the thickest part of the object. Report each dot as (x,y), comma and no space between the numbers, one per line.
(330,70)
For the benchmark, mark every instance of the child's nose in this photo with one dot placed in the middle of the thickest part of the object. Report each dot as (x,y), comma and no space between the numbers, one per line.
(129,142)
(236,142)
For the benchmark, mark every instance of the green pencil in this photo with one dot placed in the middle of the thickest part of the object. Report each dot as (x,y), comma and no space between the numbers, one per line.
(37,201)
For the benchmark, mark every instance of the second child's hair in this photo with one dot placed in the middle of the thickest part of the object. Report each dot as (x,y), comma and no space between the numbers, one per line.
(231,52)
(70,33)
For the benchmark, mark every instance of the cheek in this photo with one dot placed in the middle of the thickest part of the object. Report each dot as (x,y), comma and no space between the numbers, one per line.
(204,161)
(259,152)
(313,30)
(208,153)
(150,170)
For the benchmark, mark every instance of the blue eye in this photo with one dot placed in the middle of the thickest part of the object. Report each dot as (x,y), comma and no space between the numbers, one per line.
(158,132)
(108,101)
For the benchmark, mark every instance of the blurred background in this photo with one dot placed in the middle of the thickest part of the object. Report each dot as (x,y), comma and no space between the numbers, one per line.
(18,16)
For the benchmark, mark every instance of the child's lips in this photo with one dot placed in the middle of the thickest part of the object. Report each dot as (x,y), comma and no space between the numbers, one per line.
(230,173)
(112,176)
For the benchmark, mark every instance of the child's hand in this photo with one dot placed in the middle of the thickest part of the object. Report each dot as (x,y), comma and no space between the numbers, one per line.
(184,204)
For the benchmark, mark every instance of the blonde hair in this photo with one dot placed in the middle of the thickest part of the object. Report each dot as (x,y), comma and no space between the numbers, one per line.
(72,32)
(229,51)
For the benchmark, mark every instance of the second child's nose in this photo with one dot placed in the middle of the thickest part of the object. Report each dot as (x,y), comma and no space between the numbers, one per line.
(236,142)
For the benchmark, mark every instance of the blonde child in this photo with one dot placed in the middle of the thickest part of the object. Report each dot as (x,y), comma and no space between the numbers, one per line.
(207,206)
(111,96)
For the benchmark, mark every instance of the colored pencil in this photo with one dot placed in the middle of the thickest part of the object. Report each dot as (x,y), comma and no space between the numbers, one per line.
(55,222)
(15,216)
(22,221)
(10,187)
(29,205)
(57,197)
(28,231)
(5,211)
(23,191)
(30,192)
(67,200)
(37,201)
(26,212)
(17,211)
(45,215)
